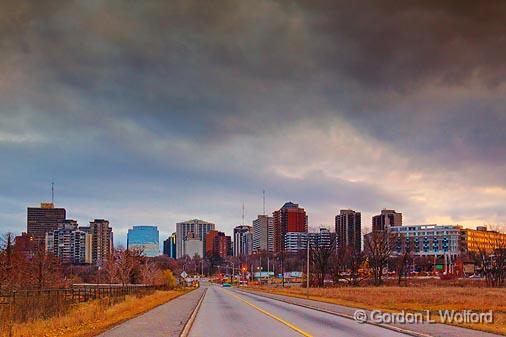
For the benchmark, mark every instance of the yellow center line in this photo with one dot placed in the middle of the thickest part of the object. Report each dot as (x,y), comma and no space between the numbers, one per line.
(302,332)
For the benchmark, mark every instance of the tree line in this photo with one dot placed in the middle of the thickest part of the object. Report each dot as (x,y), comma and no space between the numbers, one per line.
(39,269)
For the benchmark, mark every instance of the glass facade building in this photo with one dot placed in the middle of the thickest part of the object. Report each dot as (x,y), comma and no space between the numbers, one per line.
(169,246)
(145,238)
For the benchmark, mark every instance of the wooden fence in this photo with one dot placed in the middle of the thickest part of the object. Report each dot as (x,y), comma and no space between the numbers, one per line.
(76,294)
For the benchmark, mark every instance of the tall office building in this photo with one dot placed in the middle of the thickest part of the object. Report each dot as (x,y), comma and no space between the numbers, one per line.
(288,219)
(101,240)
(144,238)
(199,227)
(169,246)
(43,219)
(243,240)
(263,234)
(192,245)
(349,229)
(217,243)
(386,219)
(69,244)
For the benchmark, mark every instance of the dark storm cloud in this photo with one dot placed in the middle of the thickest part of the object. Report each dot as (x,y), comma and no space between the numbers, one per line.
(186,96)
(394,50)
(184,63)
(402,44)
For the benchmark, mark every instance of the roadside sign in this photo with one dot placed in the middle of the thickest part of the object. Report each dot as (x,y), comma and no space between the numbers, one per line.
(184,274)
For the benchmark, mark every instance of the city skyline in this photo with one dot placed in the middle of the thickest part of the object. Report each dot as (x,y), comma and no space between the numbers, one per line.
(139,123)
(394,219)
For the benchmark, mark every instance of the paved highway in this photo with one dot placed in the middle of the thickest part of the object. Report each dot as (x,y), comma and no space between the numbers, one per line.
(230,313)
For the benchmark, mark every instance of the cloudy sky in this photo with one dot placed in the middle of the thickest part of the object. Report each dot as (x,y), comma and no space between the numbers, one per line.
(153,112)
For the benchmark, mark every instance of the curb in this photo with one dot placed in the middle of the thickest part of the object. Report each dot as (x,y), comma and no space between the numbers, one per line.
(189,323)
(385,326)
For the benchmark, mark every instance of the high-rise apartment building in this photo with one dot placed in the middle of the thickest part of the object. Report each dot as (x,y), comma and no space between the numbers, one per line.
(145,239)
(295,242)
(324,237)
(218,244)
(101,240)
(288,219)
(263,234)
(169,246)
(386,219)
(349,229)
(199,227)
(69,244)
(43,219)
(243,240)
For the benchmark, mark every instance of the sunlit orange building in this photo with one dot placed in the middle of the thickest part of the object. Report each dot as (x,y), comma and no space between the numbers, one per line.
(481,239)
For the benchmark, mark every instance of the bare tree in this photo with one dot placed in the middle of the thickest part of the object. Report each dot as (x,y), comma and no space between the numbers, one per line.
(491,259)
(6,257)
(122,266)
(338,265)
(378,248)
(404,260)
(320,257)
(346,265)
(149,272)
(354,260)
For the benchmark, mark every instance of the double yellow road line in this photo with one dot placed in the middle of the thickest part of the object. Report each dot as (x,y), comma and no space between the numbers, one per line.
(279,319)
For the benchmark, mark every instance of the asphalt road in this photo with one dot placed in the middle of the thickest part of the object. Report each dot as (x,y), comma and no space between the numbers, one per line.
(230,313)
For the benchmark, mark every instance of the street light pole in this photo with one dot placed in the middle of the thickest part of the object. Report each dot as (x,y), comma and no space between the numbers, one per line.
(307,268)
(268,276)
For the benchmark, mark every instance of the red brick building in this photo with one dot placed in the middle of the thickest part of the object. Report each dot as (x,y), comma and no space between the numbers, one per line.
(288,219)
(218,243)
(25,244)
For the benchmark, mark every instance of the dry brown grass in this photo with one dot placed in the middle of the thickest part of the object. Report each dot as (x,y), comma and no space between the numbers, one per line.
(413,299)
(92,318)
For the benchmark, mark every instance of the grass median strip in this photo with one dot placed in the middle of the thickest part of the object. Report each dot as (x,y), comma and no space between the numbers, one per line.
(290,325)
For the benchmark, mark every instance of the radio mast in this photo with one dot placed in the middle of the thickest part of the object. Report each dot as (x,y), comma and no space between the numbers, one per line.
(263,195)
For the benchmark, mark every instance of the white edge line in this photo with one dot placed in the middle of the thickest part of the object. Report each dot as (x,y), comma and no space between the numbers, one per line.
(189,323)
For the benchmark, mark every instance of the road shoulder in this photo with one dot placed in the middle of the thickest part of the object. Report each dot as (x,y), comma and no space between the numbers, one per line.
(165,320)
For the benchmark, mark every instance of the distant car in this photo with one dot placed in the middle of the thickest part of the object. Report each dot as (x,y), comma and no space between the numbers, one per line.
(226,285)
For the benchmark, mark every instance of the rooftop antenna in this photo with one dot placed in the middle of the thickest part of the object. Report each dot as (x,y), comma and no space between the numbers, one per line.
(52,192)
(263,194)
(243,213)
